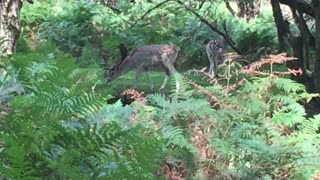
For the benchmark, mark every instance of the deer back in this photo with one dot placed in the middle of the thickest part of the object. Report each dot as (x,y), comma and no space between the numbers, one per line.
(154,55)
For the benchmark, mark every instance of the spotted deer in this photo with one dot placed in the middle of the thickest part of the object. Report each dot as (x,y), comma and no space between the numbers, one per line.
(215,50)
(146,58)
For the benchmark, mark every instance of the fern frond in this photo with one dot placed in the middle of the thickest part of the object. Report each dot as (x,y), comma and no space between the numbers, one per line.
(9,88)
(174,136)
(289,86)
(311,126)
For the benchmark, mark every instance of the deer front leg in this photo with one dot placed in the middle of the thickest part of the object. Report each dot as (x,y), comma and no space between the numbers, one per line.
(164,82)
(150,80)
(211,71)
(138,74)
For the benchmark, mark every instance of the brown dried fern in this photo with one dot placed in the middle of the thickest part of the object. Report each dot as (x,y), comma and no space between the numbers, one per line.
(253,69)
(135,96)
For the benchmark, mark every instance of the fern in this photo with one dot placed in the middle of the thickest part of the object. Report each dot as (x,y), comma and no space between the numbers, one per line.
(62,128)
(10,87)
(260,129)
(174,136)
(289,86)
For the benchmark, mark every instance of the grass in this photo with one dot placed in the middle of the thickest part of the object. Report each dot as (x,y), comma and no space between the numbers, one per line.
(127,81)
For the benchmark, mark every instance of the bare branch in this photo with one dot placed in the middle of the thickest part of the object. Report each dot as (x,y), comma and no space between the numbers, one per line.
(213,28)
(203,1)
(146,13)
(233,12)
(301,5)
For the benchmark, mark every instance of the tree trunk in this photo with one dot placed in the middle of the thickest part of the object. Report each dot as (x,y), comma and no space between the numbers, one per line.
(281,27)
(316,8)
(9,25)
(306,36)
(123,51)
(301,5)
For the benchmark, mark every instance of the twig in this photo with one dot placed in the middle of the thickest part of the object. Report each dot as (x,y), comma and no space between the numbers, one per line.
(226,36)
(146,13)
(230,8)
(203,1)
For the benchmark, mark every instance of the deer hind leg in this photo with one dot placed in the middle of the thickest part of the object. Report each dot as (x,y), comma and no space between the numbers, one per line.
(211,61)
(172,71)
(217,63)
(212,65)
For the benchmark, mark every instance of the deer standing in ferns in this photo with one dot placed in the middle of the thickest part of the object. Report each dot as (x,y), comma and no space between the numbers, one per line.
(146,58)
(215,50)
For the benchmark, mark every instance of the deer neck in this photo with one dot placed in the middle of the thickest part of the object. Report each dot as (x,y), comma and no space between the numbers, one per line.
(126,65)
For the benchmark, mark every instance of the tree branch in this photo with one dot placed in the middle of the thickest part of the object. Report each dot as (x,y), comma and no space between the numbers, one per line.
(215,29)
(203,1)
(229,8)
(146,13)
(300,5)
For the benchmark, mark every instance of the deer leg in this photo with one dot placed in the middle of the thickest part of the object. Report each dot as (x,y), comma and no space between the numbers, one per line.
(138,74)
(211,61)
(172,71)
(211,71)
(150,80)
(216,66)
(164,83)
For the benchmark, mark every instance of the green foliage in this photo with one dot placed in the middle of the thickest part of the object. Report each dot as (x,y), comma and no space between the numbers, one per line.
(258,131)
(58,125)
(83,25)
(261,39)
(61,127)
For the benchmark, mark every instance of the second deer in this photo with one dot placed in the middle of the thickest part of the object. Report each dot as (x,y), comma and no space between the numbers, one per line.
(215,50)
(146,58)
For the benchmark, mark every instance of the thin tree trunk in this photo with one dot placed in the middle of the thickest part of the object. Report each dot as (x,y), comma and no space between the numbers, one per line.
(281,28)
(9,25)
(306,36)
(316,8)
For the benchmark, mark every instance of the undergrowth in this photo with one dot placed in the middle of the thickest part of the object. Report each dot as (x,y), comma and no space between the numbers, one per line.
(255,128)
(60,127)
(56,124)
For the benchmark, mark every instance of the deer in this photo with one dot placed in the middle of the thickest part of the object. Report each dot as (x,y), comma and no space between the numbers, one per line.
(215,50)
(159,57)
